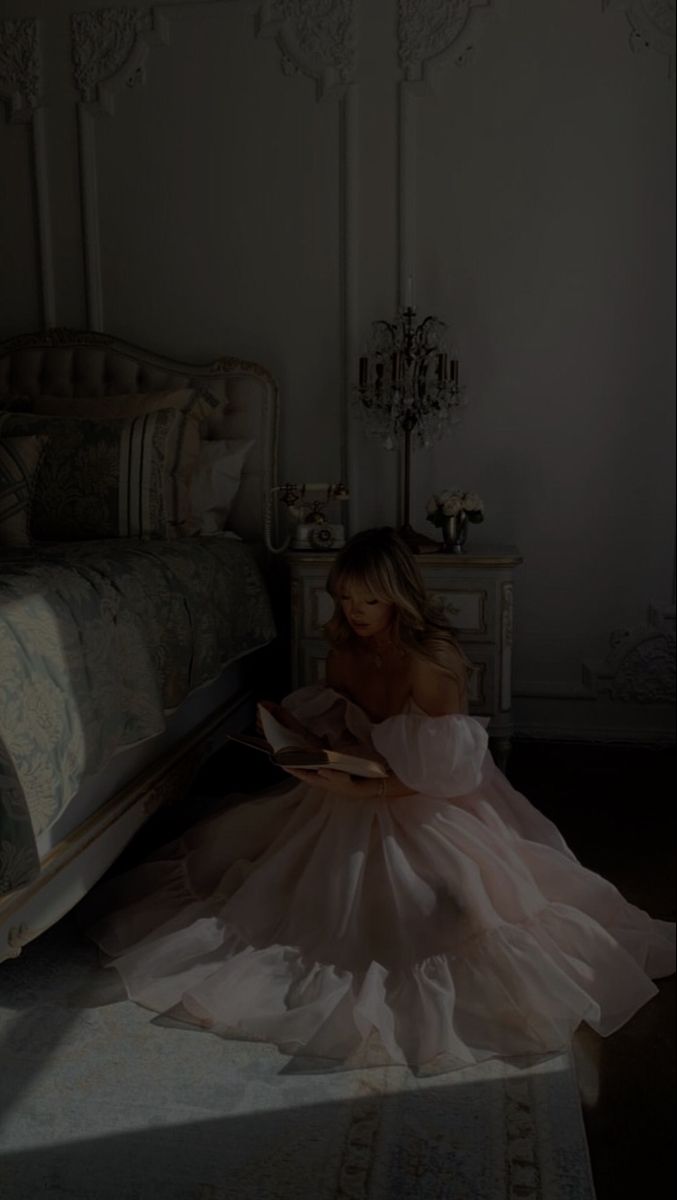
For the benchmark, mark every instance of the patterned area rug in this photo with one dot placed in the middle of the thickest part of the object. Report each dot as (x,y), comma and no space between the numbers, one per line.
(106,1104)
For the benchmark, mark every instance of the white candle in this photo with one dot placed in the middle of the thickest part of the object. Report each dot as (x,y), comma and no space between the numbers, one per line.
(410,293)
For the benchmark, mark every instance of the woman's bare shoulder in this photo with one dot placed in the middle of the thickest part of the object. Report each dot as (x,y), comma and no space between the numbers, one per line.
(439,683)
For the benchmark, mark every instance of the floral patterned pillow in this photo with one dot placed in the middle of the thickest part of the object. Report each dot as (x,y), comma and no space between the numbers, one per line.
(211,411)
(19,461)
(111,478)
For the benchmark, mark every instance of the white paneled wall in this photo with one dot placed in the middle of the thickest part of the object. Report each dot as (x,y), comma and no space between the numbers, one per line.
(261,178)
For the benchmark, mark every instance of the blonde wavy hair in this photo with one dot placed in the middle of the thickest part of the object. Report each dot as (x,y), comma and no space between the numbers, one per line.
(381,563)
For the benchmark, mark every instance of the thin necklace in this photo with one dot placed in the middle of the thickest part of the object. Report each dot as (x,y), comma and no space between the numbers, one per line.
(378,657)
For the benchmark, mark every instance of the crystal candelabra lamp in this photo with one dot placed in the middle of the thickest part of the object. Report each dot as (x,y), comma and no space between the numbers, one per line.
(409,393)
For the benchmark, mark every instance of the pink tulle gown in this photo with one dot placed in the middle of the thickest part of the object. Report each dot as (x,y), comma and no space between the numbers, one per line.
(437,930)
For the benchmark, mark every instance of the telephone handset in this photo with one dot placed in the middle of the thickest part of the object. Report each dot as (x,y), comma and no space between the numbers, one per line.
(313,531)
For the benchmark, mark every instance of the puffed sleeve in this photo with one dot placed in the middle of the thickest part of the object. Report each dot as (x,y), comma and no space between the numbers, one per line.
(329,715)
(436,756)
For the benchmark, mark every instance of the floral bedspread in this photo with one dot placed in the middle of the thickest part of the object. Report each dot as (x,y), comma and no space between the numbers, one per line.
(98,642)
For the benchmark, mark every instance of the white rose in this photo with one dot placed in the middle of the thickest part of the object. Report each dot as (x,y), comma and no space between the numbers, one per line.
(472,502)
(452,506)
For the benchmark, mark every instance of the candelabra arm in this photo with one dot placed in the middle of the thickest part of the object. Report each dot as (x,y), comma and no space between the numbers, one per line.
(408,389)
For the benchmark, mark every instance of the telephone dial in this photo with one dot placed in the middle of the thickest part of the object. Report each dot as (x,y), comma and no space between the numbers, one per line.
(313,531)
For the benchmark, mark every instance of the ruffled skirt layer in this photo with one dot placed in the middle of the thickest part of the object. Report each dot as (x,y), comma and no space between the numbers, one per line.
(421,931)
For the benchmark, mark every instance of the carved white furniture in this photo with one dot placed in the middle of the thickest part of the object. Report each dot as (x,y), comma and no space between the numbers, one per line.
(475,589)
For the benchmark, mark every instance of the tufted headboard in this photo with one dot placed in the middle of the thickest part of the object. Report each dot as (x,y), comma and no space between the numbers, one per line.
(66,362)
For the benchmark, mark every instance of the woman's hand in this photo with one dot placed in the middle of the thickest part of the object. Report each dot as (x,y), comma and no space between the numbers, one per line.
(339,783)
(386,787)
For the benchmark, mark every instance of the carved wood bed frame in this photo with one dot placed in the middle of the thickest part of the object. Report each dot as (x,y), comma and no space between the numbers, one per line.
(83,363)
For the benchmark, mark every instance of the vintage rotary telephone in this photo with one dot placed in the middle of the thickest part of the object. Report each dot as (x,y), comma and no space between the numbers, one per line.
(313,531)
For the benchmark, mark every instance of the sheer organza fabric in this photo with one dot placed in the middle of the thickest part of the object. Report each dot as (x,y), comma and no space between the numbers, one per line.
(435,930)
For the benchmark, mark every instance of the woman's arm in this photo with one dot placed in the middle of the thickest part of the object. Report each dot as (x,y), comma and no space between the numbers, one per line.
(437,694)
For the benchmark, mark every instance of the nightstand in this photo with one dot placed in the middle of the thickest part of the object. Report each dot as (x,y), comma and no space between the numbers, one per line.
(476,591)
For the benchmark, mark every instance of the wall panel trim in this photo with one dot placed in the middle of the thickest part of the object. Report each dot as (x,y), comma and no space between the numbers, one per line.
(20,88)
(651,27)
(426,32)
(110,49)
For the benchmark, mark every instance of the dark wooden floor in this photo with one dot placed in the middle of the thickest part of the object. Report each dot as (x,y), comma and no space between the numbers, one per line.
(615,808)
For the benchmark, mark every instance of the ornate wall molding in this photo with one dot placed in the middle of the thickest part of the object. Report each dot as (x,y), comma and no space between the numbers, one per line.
(20,67)
(20,89)
(429,28)
(110,47)
(640,666)
(652,26)
(316,38)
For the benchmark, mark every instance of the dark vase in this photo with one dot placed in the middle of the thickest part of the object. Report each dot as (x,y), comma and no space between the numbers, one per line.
(454,532)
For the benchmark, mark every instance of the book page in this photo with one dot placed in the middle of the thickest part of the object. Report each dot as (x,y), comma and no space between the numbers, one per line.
(356,764)
(290,749)
(256,743)
(279,737)
(309,760)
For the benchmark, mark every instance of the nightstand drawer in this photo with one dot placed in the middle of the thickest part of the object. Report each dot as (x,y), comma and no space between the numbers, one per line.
(469,609)
(481,682)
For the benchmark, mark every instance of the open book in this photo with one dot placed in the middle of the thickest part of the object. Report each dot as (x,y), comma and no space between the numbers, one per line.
(289,749)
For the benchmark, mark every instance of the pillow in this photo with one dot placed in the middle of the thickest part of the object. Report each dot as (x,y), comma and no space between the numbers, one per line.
(19,460)
(115,478)
(202,403)
(215,482)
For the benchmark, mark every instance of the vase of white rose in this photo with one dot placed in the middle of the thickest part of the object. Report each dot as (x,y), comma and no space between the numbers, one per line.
(455,532)
(451,512)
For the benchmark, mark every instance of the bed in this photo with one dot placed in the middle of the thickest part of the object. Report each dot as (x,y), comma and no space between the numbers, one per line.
(136,597)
